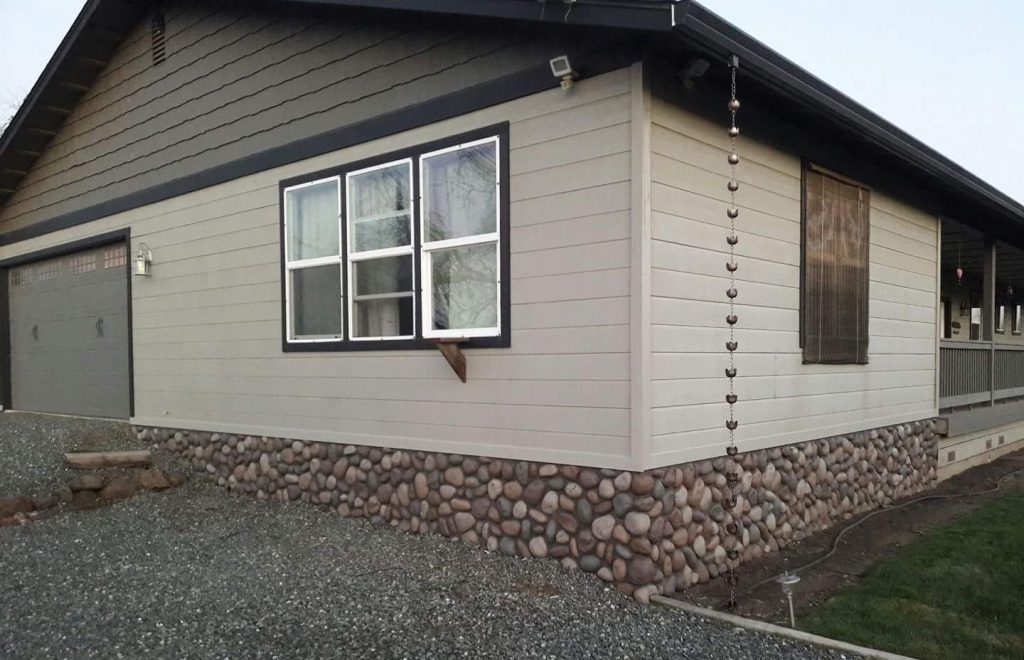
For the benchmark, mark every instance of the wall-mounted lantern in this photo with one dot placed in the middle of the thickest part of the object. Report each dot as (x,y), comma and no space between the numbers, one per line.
(142,263)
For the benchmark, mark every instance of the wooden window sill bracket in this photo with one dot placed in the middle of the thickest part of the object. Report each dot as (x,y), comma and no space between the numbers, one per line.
(453,354)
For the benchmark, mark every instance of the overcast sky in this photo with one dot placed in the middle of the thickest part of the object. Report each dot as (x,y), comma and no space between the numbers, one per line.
(948,72)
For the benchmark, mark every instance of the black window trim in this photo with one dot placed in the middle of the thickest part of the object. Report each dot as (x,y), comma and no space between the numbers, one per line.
(503,340)
(806,167)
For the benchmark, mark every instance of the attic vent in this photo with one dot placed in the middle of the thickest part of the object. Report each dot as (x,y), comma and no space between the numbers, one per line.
(159,34)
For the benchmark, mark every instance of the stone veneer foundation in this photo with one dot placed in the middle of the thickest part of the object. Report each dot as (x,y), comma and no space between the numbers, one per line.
(657,531)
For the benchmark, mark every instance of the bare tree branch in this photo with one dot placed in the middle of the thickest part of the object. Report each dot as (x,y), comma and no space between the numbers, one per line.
(9,104)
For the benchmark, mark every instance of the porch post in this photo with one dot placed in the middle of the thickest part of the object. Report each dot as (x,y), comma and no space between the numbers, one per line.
(988,296)
(988,314)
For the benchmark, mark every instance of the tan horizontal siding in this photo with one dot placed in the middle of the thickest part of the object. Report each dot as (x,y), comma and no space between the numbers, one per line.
(572,367)
(781,399)
(207,324)
(702,443)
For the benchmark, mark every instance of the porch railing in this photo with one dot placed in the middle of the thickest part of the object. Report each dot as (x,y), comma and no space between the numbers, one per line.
(979,372)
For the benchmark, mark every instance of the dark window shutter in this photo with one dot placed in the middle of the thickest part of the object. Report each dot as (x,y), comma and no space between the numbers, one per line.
(835,270)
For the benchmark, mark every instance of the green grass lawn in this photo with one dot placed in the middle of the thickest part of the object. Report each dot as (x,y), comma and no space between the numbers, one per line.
(957,593)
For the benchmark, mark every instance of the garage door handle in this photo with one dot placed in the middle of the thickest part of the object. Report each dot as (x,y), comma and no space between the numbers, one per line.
(99,327)
(35,332)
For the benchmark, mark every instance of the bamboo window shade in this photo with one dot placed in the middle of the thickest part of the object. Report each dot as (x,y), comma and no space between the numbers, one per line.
(834,288)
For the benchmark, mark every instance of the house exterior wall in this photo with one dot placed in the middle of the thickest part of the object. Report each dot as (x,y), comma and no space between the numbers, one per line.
(238,82)
(781,400)
(207,324)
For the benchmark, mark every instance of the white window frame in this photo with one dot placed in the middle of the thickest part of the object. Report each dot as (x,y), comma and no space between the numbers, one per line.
(1001,319)
(427,248)
(291,266)
(368,255)
(1015,326)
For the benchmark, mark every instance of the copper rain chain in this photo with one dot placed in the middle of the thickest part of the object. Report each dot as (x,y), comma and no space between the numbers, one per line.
(732,541)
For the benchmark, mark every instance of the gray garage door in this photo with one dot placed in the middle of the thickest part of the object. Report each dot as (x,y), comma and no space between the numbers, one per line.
(69,334)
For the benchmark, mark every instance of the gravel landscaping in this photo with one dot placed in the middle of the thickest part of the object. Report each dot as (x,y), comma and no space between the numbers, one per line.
(197,572)
(32,448)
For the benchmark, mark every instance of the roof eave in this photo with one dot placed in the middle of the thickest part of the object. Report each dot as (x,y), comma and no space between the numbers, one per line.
(720,38)
(642,15)
(98,29)
(46,77)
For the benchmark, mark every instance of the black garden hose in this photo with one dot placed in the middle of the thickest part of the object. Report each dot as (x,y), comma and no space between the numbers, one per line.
(839,536)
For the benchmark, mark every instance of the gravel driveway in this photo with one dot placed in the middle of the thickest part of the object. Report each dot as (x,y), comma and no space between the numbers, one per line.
(197,572)
(32,449)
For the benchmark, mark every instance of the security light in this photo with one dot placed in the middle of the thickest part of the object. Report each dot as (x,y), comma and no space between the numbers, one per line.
(562,69)
(694,69)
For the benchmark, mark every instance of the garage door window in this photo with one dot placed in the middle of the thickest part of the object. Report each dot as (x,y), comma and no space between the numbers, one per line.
(82,263)
(115,256)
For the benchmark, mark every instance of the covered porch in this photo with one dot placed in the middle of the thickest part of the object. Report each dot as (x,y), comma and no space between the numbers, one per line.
(981,351)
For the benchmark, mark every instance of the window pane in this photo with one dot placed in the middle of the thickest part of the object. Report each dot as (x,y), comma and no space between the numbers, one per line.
(312,217)
(380,276)
(387,317)
(378,206)
(316,301)
(465,287)
(461,193)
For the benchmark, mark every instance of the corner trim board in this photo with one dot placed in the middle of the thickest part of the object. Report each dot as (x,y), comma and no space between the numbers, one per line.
(640,266)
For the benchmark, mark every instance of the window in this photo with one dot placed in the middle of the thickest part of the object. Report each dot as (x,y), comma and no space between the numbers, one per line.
(400,251)
(975,323)
(313,257)
(115,256)
(460,240)
(1001,319)
(834,291)
(51,270)
(380,251)
(1015,323)
(21,276)
(80,264)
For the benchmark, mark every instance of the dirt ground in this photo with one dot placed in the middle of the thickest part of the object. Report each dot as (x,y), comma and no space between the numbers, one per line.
(859,550)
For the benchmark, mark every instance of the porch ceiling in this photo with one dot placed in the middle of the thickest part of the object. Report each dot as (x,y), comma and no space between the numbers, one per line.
(967,247)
